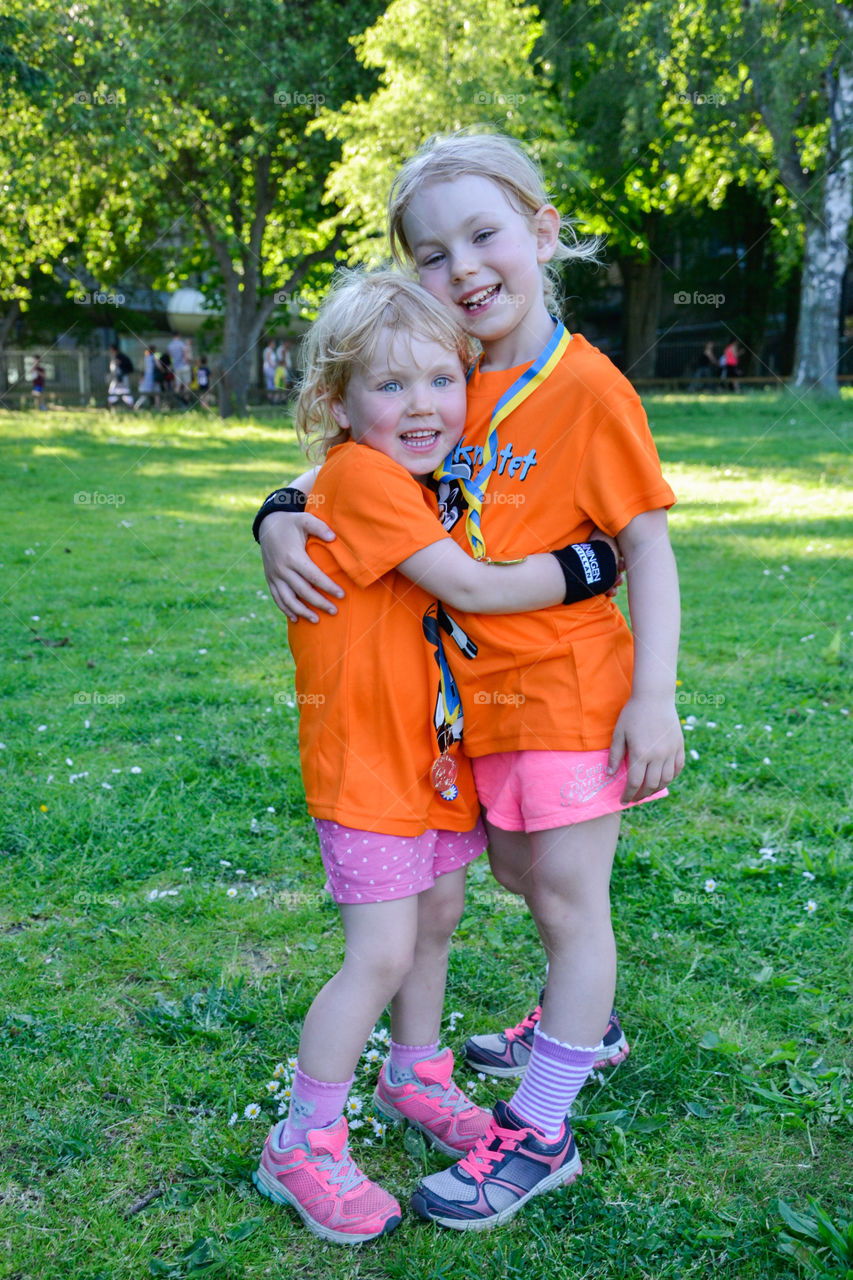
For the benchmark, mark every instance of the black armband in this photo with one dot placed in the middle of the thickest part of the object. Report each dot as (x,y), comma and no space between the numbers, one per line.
(589,568)
(291,499)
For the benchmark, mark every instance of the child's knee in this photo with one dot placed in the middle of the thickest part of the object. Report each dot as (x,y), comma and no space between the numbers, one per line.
(385,965)
(508,876)
(442,909)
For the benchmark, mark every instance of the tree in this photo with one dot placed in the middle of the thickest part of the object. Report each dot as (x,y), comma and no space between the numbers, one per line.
(441,65)
(194,120)
(37,219)
(796,75)
(640,139)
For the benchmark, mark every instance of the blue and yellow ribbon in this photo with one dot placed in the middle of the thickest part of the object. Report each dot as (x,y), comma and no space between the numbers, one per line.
(474,487)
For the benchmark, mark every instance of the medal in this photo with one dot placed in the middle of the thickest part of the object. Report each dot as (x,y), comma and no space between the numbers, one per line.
(443,772)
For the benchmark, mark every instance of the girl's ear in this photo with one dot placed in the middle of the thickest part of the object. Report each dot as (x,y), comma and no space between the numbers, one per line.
(547,226)
(337,409)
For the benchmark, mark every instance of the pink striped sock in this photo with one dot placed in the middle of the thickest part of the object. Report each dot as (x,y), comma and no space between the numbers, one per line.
(552,1081)
(313,1105)
(404,1056)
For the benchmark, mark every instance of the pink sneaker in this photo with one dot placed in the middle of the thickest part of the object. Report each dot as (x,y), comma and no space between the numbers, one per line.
(434,1104)
(325,1186)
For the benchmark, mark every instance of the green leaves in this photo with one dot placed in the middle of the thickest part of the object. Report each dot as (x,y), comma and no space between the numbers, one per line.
(823,1247)
(205,1015)
(206,1254)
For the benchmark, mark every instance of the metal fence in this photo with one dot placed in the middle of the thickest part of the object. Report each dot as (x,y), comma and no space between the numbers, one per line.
(72,377)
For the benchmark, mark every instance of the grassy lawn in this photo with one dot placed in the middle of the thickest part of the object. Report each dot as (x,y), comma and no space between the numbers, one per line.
(162,929)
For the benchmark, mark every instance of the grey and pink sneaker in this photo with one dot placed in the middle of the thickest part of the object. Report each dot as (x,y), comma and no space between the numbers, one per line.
(507,1053)
(433,1104)
(510,1165)
(325,1186)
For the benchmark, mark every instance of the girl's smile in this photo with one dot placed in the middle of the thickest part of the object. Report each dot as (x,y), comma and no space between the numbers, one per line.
(408,402)
(482,257)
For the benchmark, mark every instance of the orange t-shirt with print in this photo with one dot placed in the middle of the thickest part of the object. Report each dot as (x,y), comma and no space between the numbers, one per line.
(366,678)
(577,453)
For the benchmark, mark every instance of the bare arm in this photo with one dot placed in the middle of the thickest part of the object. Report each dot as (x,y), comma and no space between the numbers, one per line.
(648,728)
(294,580)
(445,570)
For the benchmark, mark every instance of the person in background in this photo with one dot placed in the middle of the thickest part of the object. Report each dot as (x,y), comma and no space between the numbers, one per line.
(269,368)
(731,365)
(179,350)
(149,388)
(38,376)
(706,368)
(121,367)
(202,375)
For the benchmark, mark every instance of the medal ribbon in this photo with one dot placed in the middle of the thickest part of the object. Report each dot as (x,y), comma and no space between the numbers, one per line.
(474,487)
(451,702)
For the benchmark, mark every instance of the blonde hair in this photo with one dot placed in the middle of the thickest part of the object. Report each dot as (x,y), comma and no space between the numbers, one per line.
(446,157)
(344,337)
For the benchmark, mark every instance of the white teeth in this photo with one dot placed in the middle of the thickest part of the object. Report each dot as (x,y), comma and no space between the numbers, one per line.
(418,435)
(477,298)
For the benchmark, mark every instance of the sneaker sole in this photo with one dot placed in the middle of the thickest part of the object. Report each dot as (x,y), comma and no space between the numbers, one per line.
(500,1073)
(269,1186)
(393,1116)
(618,1052)
(563,1176)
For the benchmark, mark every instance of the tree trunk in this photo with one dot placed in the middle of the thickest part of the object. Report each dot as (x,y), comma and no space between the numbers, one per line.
(236,364)
(6,322)
(640,310)
(824,264)
(825,259)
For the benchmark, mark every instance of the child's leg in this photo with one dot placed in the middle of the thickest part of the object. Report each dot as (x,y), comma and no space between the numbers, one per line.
(416,1008)
(416,1082)
(509,858)
(380,946)
(569,899)
(568,892)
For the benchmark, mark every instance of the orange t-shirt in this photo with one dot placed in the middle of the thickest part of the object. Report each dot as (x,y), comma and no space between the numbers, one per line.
(366,679)
(575,454)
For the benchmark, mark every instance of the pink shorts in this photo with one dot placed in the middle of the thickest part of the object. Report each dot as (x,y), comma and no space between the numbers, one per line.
(540,790)
(364,866)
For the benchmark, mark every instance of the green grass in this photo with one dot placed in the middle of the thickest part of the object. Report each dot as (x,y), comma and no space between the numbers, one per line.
(150,756)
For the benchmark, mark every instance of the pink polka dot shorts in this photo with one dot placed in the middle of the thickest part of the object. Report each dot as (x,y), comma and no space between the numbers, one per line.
(366,866)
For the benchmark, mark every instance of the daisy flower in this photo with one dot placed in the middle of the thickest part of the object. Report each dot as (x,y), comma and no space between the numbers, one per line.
(231,893)
(273,1086)
(810,907)
(252,1111)
(279,1070)
(710,885)
(354,1106)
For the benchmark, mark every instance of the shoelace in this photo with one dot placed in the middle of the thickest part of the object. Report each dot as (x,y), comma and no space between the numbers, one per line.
(344,1173)
(484,1153)
(451,1097)
(515,1033)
